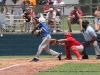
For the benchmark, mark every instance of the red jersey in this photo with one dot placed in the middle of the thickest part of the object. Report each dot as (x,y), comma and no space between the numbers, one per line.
(71,41)
(73,13)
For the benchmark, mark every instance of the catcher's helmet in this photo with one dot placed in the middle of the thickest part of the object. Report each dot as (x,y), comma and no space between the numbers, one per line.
(41,19)
(68,34)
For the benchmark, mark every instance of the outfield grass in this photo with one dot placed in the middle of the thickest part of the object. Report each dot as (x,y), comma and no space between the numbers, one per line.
(73,68)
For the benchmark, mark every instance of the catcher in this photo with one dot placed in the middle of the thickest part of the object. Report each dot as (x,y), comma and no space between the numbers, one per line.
(45,33)
(72,44)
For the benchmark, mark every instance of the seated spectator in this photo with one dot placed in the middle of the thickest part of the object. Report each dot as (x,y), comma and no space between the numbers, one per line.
(28,19)
(59,10)
(51,2)
(97,19)
(46,7)
(51,15)
(75,16)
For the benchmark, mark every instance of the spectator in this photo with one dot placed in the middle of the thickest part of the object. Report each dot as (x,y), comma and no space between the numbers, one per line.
(32,2)
(3,2)
(59,10)
(46,7)
(25,5)
(75,16)
(97,19)
(28,19)
(51,2)
(2,19)
(71,44)
(90,39)
(51,15)
(17,10)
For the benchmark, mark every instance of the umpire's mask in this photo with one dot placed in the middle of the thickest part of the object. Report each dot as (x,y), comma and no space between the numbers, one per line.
(84,24)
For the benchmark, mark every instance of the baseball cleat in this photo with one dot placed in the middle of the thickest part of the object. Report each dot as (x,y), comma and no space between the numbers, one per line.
(34,60)
(98,57)
(85,57)
(59,56)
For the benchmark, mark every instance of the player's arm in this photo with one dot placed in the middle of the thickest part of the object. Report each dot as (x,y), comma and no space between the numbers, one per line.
(34,30)
(62,40)
(79,14)
(93,39)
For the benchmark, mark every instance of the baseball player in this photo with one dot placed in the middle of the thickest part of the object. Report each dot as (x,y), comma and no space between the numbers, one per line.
(71,44)
(45,33)
(90,39)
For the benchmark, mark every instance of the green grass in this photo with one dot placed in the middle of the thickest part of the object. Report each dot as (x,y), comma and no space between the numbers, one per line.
(64,24)
(73,68)
(41,56)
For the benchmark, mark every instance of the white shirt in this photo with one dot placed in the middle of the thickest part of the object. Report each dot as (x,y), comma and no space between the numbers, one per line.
(51,15)
(2,17)
(61,3)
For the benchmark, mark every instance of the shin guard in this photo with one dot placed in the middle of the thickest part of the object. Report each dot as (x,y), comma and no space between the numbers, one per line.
(67,52)
(76,52)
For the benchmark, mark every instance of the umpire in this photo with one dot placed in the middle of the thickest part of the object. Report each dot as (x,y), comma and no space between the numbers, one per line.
(90,39)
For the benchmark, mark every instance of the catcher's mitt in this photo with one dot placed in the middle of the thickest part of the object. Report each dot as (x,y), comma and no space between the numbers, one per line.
(53,41)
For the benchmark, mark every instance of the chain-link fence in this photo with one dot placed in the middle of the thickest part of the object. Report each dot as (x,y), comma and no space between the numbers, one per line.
(15,22)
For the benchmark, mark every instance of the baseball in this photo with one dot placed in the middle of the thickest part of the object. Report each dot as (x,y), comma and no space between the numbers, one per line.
(1,35)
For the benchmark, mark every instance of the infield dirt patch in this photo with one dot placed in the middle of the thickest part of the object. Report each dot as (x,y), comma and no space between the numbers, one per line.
(22,66)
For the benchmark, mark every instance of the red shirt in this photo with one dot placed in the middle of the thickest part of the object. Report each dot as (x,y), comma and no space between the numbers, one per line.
(73,13)
(31,13)
(46,9)
(71,41)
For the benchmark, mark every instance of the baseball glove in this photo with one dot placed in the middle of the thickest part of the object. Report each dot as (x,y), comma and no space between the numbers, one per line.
(53,41)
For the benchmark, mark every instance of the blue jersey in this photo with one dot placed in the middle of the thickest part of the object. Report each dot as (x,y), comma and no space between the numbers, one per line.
(45,30)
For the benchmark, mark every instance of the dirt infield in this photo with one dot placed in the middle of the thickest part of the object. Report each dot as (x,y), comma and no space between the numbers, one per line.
(22,66)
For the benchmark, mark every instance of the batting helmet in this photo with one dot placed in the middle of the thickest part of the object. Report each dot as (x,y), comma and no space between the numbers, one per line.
(41,19)
(68,34)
